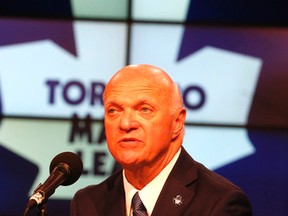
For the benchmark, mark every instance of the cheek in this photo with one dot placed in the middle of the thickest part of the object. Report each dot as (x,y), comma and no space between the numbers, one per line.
(111,143)
(162,132)
(109,132)
(109,126)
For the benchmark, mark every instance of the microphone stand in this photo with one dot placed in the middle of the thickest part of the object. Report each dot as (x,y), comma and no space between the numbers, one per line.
(42,210)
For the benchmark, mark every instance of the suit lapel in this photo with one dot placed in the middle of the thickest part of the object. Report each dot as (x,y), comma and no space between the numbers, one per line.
(176,195)
(114,201)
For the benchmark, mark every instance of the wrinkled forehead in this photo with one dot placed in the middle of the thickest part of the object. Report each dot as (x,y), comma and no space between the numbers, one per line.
(145,77)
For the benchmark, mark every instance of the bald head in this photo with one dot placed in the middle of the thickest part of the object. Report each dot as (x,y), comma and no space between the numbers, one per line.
(142,71)
(152,76)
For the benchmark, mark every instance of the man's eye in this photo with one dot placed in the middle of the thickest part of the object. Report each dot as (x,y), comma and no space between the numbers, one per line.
(145,109)
(111,111)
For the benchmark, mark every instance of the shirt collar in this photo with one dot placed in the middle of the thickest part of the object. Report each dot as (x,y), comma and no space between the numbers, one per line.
(149,194)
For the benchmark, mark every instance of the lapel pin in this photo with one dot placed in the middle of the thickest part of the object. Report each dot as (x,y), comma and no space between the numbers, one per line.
(178,200)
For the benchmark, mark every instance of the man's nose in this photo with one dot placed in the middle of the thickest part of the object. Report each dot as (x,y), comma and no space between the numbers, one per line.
(129,122)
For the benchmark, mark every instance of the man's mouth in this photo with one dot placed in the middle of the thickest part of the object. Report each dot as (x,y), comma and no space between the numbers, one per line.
(129,141)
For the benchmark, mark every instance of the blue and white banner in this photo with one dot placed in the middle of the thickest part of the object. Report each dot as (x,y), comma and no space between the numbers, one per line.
(53,72)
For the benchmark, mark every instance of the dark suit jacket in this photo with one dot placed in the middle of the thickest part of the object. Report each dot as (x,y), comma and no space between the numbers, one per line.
(201,193)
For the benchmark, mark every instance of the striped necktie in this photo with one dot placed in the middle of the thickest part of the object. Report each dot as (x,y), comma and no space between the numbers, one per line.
(138,207)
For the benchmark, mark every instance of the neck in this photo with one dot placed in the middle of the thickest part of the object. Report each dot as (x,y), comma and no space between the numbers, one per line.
(142,175)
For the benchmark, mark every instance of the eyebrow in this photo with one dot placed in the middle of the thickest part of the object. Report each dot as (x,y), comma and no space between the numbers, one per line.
(144,100)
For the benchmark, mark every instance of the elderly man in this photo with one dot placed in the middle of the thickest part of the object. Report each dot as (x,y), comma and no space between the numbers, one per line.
(144,123)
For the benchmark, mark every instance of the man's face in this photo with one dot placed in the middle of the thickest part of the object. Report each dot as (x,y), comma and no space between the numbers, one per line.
(138,121)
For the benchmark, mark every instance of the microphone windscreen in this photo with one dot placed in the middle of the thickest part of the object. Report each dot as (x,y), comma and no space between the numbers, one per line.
(74,164)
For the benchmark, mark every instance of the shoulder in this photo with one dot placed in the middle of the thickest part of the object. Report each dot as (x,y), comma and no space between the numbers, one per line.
(219,195)
(214,181)
(95,199)
(193,171)
(102,189)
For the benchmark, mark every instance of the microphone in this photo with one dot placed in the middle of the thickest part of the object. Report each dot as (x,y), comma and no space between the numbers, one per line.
(65,169)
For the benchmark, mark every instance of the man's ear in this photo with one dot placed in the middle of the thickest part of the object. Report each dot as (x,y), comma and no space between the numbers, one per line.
(179,123)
